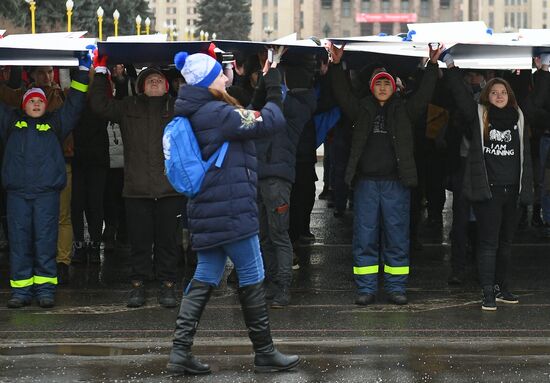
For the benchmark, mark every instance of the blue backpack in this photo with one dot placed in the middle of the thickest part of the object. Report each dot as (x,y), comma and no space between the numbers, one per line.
(183,162)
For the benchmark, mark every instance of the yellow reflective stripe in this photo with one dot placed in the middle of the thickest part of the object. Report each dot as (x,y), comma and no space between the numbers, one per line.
(364,270)
(79,86)
(39,280)
(43,127)
(21,283)
(398,270)
(21,124)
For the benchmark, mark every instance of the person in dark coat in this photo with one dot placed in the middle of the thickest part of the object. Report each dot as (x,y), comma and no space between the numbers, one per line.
(153,207)
(276,174)
(223,217)
(33,174)
(497,175)
(382,170)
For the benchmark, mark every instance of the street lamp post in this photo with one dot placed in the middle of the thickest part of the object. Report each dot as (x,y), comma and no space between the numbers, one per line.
(268,31)
(147,25)
(214,36)
(175,34)
(100,22)
(171,31)
(32,8)
(206,34)
(187,32)
(116,16)
(69,4)
(201,35)
(138,24)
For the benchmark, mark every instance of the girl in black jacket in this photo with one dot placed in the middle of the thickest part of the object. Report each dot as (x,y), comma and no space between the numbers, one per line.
(497,177)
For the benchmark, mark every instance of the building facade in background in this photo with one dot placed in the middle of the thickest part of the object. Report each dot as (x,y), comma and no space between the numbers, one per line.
(273,19)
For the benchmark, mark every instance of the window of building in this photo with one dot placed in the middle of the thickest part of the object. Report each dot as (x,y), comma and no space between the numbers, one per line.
(326,3)
(265,20)
(264,3)
(491,20)
(403,28)
(365,6)
(170,11)
(275,3)
(506,19)
(405,6)
(275,21)
(385,6)
(301,20)
(491,2)
(386,28)
(366,29)
(513,20)
(346,8)
(525,20)
(445,4)
(346,33)
(424,8)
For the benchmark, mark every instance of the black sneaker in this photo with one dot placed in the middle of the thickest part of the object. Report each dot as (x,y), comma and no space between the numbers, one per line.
(271,289)
(488,303)
(281,299)
(136,298)
(17,302)
(397,298)
(504,296)
(295,262)
(365,299)
(62,274)
(167,294)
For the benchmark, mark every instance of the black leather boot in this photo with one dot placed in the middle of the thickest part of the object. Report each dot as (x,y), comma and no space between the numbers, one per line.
(256,318)
(181,359)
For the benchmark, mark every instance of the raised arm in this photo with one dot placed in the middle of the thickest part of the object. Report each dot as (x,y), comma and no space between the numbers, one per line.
(69,114)
(340,86)
(101,101)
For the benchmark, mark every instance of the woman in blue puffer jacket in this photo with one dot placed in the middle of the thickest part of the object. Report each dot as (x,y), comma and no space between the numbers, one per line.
(223,217)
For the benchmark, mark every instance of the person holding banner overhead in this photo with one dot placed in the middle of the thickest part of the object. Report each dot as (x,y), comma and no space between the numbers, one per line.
(153,207)
(223,216)
(498,176)
(33,174)
(381,170)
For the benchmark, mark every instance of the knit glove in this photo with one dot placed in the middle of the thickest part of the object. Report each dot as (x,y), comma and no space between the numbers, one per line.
(85,61)
(272,81)
(447,58)
(258,97)
(100,62)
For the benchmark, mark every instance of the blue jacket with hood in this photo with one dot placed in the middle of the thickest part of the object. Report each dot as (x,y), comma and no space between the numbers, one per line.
(225,209)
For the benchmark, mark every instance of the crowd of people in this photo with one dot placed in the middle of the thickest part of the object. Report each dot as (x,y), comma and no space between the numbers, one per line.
(92,157)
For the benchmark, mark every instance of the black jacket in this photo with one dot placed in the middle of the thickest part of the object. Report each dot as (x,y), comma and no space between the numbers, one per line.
(476,186)
(401,115)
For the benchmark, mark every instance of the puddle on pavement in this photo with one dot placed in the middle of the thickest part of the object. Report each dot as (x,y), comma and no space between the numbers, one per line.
(79,350)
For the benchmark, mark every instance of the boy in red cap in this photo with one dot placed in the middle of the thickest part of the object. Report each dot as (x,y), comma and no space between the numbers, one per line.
(381,169)
(33,174)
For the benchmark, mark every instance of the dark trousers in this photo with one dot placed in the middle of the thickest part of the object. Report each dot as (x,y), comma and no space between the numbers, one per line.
(113,203)
(461,220)
(153,229)
(340,149)
(381,230)
(302,199)
(496,223)
(33,226)
(435,176)
(87,199)
(274,204)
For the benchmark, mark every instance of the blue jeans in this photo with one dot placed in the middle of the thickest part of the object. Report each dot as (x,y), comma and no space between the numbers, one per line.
(381,229)
(545,196)
(245,255)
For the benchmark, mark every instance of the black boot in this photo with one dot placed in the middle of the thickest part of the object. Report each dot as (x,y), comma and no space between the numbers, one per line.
(181,359)
(256,318)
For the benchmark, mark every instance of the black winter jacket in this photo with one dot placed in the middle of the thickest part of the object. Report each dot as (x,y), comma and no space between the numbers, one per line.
(277,153)
(401,115)
(476,186)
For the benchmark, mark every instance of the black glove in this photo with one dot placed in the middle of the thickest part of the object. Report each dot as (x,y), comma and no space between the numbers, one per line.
(258,97)
(272,81)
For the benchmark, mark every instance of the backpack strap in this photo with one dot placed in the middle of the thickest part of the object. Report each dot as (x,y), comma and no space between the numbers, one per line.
(221,155)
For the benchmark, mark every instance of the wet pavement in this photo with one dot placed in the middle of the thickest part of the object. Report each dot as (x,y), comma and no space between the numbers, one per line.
(441,336)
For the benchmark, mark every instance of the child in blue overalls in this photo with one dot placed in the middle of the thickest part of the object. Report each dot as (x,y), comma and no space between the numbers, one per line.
(33,174)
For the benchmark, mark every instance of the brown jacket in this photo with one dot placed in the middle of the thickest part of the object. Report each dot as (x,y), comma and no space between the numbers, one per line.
(142,121)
